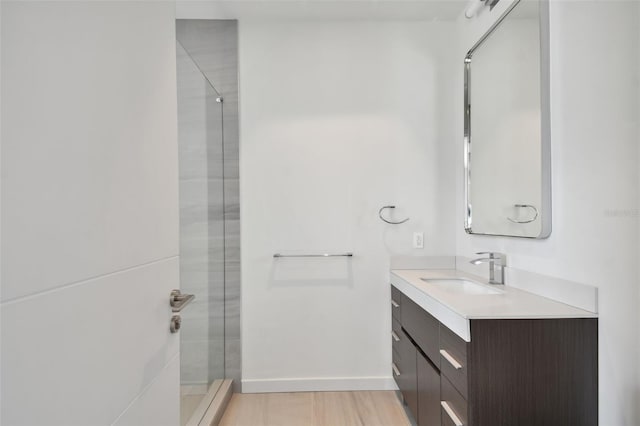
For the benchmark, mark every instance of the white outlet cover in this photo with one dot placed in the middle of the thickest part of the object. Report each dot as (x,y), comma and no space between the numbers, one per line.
(418,240)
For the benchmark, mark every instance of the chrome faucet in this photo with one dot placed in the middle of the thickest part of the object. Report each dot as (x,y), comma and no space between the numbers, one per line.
(497,262)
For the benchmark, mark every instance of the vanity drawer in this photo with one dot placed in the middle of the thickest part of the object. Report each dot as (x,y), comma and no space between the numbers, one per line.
(396,335)
(423,328)
(396,301)
(405,370)
(452,404)
(396,362)
(453,359)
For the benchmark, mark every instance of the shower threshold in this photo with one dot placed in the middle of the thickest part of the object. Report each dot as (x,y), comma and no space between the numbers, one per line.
(212,406)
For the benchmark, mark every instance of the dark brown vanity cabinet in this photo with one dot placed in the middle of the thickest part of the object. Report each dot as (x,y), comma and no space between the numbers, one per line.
(524,372)
(428,378)
(406,372)
(415,336)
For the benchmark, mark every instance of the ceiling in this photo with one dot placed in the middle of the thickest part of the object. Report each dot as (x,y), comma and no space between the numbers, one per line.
(432,10)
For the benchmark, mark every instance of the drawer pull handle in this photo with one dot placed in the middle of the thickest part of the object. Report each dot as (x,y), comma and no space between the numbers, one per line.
(395,336)
(450,359)
(395,369)
(451,414)
(395,304)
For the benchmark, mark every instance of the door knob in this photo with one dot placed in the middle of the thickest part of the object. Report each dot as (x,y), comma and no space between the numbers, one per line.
(178,301)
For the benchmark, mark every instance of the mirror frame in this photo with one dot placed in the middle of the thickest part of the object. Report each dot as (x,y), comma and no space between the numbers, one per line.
(545,107)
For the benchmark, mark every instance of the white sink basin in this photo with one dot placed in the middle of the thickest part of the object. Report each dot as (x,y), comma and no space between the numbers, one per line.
(461,285)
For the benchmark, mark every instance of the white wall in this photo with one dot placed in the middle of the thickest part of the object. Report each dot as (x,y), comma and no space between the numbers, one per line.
(594,130)
(337,120)
(89,213)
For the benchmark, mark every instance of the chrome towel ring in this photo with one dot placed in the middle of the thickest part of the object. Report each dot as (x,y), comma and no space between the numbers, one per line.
(525,206)
(389,221)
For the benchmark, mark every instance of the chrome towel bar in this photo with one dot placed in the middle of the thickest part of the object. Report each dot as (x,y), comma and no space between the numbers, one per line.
(315,255)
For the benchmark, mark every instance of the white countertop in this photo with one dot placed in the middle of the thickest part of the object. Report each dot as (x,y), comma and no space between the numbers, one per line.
(455,309)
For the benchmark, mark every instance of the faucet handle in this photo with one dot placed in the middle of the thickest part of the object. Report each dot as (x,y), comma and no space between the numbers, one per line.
(493,255)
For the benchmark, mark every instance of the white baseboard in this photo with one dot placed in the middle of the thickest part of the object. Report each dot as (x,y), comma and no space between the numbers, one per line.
(315,384)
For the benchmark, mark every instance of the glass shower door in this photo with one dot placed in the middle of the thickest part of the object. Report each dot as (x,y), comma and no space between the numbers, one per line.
(200,142)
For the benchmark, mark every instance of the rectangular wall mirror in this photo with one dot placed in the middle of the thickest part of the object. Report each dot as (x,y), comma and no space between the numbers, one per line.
(506,126)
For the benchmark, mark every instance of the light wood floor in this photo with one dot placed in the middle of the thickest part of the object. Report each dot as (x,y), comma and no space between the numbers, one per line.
(365,408)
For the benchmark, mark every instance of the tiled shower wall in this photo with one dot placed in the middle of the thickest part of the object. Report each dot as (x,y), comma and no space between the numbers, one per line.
(212,45)
(201,224)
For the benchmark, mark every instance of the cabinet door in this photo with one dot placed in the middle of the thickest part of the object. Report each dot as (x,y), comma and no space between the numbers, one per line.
(428,393)
(454,406)
(407,379)
(423,328)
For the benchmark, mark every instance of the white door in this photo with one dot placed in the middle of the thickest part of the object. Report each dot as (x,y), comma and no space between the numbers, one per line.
(89,213)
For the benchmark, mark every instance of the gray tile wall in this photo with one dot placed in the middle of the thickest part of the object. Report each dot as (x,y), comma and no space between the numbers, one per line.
(213,46)
(194,221)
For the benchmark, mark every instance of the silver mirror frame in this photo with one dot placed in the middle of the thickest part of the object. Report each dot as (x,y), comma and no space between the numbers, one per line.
(545,119)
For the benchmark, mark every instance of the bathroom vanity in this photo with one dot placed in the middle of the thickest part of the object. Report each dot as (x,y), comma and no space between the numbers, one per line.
(465,353)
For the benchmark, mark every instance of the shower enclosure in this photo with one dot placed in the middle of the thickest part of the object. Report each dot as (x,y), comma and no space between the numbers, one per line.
(209,249)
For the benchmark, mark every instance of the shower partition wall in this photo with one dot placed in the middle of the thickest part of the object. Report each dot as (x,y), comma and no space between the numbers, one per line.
(201,142)
(207,72)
